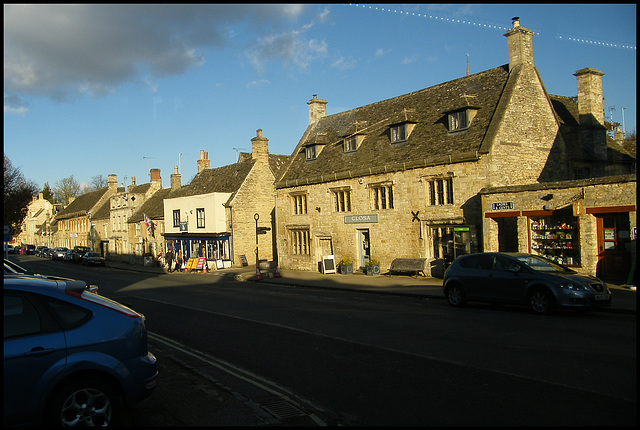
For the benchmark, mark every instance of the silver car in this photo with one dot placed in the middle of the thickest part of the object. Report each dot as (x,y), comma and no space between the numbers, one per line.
(525,279)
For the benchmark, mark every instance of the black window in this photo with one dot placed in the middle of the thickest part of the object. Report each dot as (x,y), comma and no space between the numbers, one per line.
(480,262)
(20,317)
(68,315)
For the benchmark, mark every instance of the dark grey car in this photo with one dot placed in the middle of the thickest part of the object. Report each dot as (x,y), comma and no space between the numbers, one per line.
(525,279)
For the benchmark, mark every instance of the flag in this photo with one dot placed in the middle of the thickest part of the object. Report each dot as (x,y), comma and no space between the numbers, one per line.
(149,224)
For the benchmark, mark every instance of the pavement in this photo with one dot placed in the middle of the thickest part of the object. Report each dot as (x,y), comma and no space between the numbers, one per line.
(623,298)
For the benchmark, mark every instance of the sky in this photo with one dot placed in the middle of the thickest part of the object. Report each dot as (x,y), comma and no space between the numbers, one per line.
(95,90)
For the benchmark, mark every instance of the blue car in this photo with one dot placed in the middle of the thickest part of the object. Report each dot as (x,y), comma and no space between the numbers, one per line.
(71,356)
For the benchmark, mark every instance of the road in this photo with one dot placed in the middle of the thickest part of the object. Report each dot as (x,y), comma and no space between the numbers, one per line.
(344,358)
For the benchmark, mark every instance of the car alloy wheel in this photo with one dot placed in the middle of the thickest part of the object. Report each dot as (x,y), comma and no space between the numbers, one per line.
(87,402)
(455,295)
(541,301)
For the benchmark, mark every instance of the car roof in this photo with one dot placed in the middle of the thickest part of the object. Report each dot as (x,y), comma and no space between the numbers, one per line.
(19,280)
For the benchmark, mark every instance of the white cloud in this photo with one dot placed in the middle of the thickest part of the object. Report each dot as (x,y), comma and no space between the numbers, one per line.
(412,59)
(60,51)
(257,83)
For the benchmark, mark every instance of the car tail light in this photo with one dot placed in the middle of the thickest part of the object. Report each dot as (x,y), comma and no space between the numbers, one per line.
(107,303)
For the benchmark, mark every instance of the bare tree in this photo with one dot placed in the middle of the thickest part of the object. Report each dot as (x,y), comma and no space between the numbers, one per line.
(66,188)
(18,193)
(97,182)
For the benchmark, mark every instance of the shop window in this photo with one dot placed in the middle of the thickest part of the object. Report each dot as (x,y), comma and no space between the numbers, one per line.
(556,238)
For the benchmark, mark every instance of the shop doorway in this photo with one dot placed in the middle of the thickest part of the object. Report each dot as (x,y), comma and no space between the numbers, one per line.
(614,246)
(364,247)
(507,234)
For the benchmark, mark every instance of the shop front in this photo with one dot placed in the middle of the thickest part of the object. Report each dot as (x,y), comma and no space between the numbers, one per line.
(215,248)
(588,225)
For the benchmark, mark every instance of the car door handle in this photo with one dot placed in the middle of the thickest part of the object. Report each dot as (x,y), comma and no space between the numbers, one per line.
(38,351)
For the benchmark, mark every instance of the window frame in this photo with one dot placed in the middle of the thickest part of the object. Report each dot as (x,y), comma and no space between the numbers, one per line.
(176,218)
(200,218)
(382,196)
(440,191)
(311,152)
(350,144)
(341,200)
(300,241)
(398,133)
(300,203)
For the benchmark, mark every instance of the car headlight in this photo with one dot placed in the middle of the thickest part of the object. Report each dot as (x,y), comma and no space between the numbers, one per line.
(573,286)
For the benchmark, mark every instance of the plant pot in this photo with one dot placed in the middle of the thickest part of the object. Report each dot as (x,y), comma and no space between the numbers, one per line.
(346,269)
(372,270)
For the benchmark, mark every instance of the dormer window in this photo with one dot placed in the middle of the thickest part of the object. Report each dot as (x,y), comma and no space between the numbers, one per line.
(461,119)
(311,152)
(398,133)
(350,144)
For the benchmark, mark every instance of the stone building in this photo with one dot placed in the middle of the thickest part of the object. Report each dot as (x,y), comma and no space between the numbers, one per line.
(401,177)
(74,222)
(35,227)
(123,244)
(214,216)
(587,224)
(146,225)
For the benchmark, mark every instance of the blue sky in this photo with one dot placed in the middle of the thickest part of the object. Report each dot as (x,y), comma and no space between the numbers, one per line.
(117,89)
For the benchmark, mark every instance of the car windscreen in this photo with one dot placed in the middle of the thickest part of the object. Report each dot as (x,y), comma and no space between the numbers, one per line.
(541,264)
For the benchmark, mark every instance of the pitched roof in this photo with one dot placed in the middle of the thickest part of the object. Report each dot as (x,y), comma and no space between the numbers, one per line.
(153,207)
(82,204)
(225,179)
(429,143)
(229,178)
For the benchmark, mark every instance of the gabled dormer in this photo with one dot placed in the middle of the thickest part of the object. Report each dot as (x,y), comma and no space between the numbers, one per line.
(399,133)
(460,120)
(314,146)
(350,144)
(402,125)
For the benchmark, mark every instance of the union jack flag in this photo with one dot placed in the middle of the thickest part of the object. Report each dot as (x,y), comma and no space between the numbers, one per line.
(149,224)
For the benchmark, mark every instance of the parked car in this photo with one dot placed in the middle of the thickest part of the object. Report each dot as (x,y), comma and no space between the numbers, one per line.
(71,355)
(92,259)
(68,256)
(58,253)
(29,249)
(42,252)
(524,279)
(78,252)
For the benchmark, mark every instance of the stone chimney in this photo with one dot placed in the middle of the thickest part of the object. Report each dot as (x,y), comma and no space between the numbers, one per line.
(317,109)
(260,147)
(156,180)
(520,45)
(175,179)
(113,183)
(203,162)
(590,104)
(619,136)
(593,135)
(133,184)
